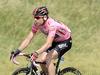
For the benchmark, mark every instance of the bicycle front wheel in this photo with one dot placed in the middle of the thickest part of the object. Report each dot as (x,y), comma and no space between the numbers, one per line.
(69,71)
(22,71)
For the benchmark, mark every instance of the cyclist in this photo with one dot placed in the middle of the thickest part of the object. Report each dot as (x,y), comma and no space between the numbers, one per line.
(57,43)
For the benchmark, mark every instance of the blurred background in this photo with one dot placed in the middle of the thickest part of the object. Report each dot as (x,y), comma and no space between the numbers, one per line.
(82,16)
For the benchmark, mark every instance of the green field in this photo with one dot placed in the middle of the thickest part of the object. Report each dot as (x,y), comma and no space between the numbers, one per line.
(82,16)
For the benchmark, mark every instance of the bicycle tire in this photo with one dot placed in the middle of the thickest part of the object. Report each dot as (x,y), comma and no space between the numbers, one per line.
(71,70)
(22,71)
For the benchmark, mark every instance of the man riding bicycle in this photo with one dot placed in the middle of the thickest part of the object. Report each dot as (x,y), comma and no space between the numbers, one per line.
(57,43)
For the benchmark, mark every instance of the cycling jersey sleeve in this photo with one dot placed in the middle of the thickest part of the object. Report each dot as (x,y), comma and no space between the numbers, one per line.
(34,28)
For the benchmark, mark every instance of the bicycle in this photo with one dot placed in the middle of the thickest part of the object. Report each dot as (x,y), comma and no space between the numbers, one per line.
(32,69)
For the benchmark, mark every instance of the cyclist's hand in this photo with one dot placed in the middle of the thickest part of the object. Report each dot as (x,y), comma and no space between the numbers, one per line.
(34,56)
(14,54)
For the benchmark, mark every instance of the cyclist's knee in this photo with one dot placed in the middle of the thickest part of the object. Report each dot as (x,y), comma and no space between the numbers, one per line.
(42,57)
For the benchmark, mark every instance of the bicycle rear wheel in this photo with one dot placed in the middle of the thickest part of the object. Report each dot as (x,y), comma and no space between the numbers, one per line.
(69,71)
(22,71)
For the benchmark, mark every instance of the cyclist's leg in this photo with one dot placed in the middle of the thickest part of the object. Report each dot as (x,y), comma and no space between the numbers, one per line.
(60,49)
(52,55)
(42,58)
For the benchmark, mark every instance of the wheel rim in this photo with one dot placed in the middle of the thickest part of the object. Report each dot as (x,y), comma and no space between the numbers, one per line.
(69,71)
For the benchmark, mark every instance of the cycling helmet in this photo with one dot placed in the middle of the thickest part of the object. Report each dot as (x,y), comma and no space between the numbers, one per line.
(40,11)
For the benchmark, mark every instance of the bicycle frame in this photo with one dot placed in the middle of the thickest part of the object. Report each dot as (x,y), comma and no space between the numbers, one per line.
(32,68)
(33,64)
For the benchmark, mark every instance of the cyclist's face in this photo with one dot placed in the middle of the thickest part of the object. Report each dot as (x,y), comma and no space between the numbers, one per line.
(39,20)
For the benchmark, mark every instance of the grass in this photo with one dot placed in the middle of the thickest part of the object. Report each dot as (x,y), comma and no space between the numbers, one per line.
(82,16)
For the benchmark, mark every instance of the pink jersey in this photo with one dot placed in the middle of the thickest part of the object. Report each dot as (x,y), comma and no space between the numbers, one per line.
(55,29)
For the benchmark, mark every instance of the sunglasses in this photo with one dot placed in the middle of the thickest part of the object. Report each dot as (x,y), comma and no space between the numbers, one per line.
(37,17)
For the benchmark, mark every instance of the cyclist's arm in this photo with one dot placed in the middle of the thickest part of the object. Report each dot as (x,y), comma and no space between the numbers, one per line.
(46,45)
(49,40)
(26,41)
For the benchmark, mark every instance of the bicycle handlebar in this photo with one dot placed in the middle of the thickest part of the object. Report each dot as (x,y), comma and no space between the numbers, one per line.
(29,57)
(20,54)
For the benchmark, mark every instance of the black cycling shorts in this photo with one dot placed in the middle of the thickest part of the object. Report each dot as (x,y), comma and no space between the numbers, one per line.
(61,47)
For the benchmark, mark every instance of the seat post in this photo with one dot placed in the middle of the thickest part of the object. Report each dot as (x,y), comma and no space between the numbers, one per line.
(58,62)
